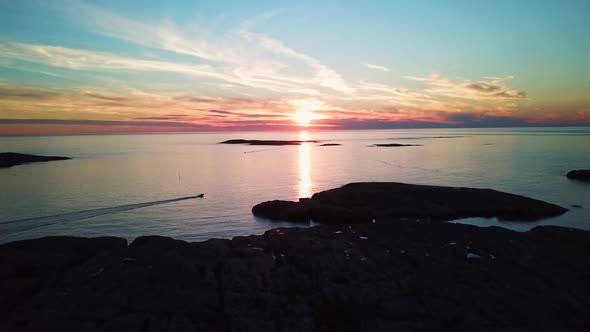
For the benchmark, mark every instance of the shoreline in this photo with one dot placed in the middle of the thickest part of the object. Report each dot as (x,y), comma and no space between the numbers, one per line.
(365,277)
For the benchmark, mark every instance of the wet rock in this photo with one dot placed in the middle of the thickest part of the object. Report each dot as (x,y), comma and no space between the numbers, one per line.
(579,174)
(9,159)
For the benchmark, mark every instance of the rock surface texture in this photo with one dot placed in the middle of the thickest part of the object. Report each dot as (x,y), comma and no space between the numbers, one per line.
(9,159)
(365,201)
(404,276)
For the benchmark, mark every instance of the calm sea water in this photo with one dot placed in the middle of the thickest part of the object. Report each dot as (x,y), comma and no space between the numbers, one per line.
(110,171)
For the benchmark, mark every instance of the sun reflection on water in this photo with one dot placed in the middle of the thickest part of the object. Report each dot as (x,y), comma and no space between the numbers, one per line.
(305,183)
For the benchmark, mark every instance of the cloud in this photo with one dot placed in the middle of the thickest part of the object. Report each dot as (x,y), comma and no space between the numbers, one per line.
(376,67)
(239,54)
(84,122)
(323,75)
(486,89)
(195,99)
(11,92)
(260,76)
(105,97)
(483,87)
(220,112)
(28,101)
(77,59)
(453,121)
(167,117)
(484,121)
(510,94)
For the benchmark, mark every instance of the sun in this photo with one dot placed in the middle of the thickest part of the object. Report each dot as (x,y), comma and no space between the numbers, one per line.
(303,117)
(304,111)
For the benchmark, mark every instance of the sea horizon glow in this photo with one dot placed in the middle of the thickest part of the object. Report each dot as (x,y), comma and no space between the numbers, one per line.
(76,66)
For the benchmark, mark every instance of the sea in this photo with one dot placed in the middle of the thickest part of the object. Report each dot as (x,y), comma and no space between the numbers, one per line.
(137,184)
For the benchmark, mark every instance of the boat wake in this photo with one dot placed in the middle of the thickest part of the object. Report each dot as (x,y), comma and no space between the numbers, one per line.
(38,222)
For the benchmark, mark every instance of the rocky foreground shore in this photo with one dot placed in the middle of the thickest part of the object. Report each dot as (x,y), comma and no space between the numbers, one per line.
(396,276)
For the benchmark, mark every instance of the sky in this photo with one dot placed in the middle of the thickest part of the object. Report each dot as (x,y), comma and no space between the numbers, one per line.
(156,66)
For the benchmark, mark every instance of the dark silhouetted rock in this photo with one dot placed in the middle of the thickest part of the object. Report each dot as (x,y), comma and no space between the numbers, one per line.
(283,210)
(394,145)
(579,174)
(264,142)
(330,144)
(362,202)
(404,276)
(9,159)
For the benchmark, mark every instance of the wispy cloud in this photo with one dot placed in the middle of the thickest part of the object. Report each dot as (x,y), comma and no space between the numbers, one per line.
(239,54)
(35,102)
(23,93)
(485,89)
(77,59)
(376,67)
(84,122)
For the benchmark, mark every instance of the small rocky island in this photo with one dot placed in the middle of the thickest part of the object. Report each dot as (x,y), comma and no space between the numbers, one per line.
(9,159)
(393,145)
(265,142)
(367,201)
(579,174)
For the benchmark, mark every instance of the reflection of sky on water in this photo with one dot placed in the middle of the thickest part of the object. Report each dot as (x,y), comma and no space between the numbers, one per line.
(305,183)
(116,170)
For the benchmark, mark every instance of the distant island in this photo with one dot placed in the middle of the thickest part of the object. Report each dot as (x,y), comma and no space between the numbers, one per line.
(9,159)
(393,145)
(265,142)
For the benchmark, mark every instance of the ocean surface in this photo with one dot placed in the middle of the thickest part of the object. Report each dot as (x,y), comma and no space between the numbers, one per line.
(132,185)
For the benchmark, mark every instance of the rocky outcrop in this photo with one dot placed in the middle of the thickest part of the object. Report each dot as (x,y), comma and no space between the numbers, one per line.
(363,202)
(330,144)
(579,174)
(307,209)
(405,276)
(264,142)
(283,210)
(9,159)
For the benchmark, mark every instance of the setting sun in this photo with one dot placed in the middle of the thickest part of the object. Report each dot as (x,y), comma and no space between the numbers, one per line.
(305,111)
(303,118)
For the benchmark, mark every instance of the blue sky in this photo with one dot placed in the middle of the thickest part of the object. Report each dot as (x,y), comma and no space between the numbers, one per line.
(265,63)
